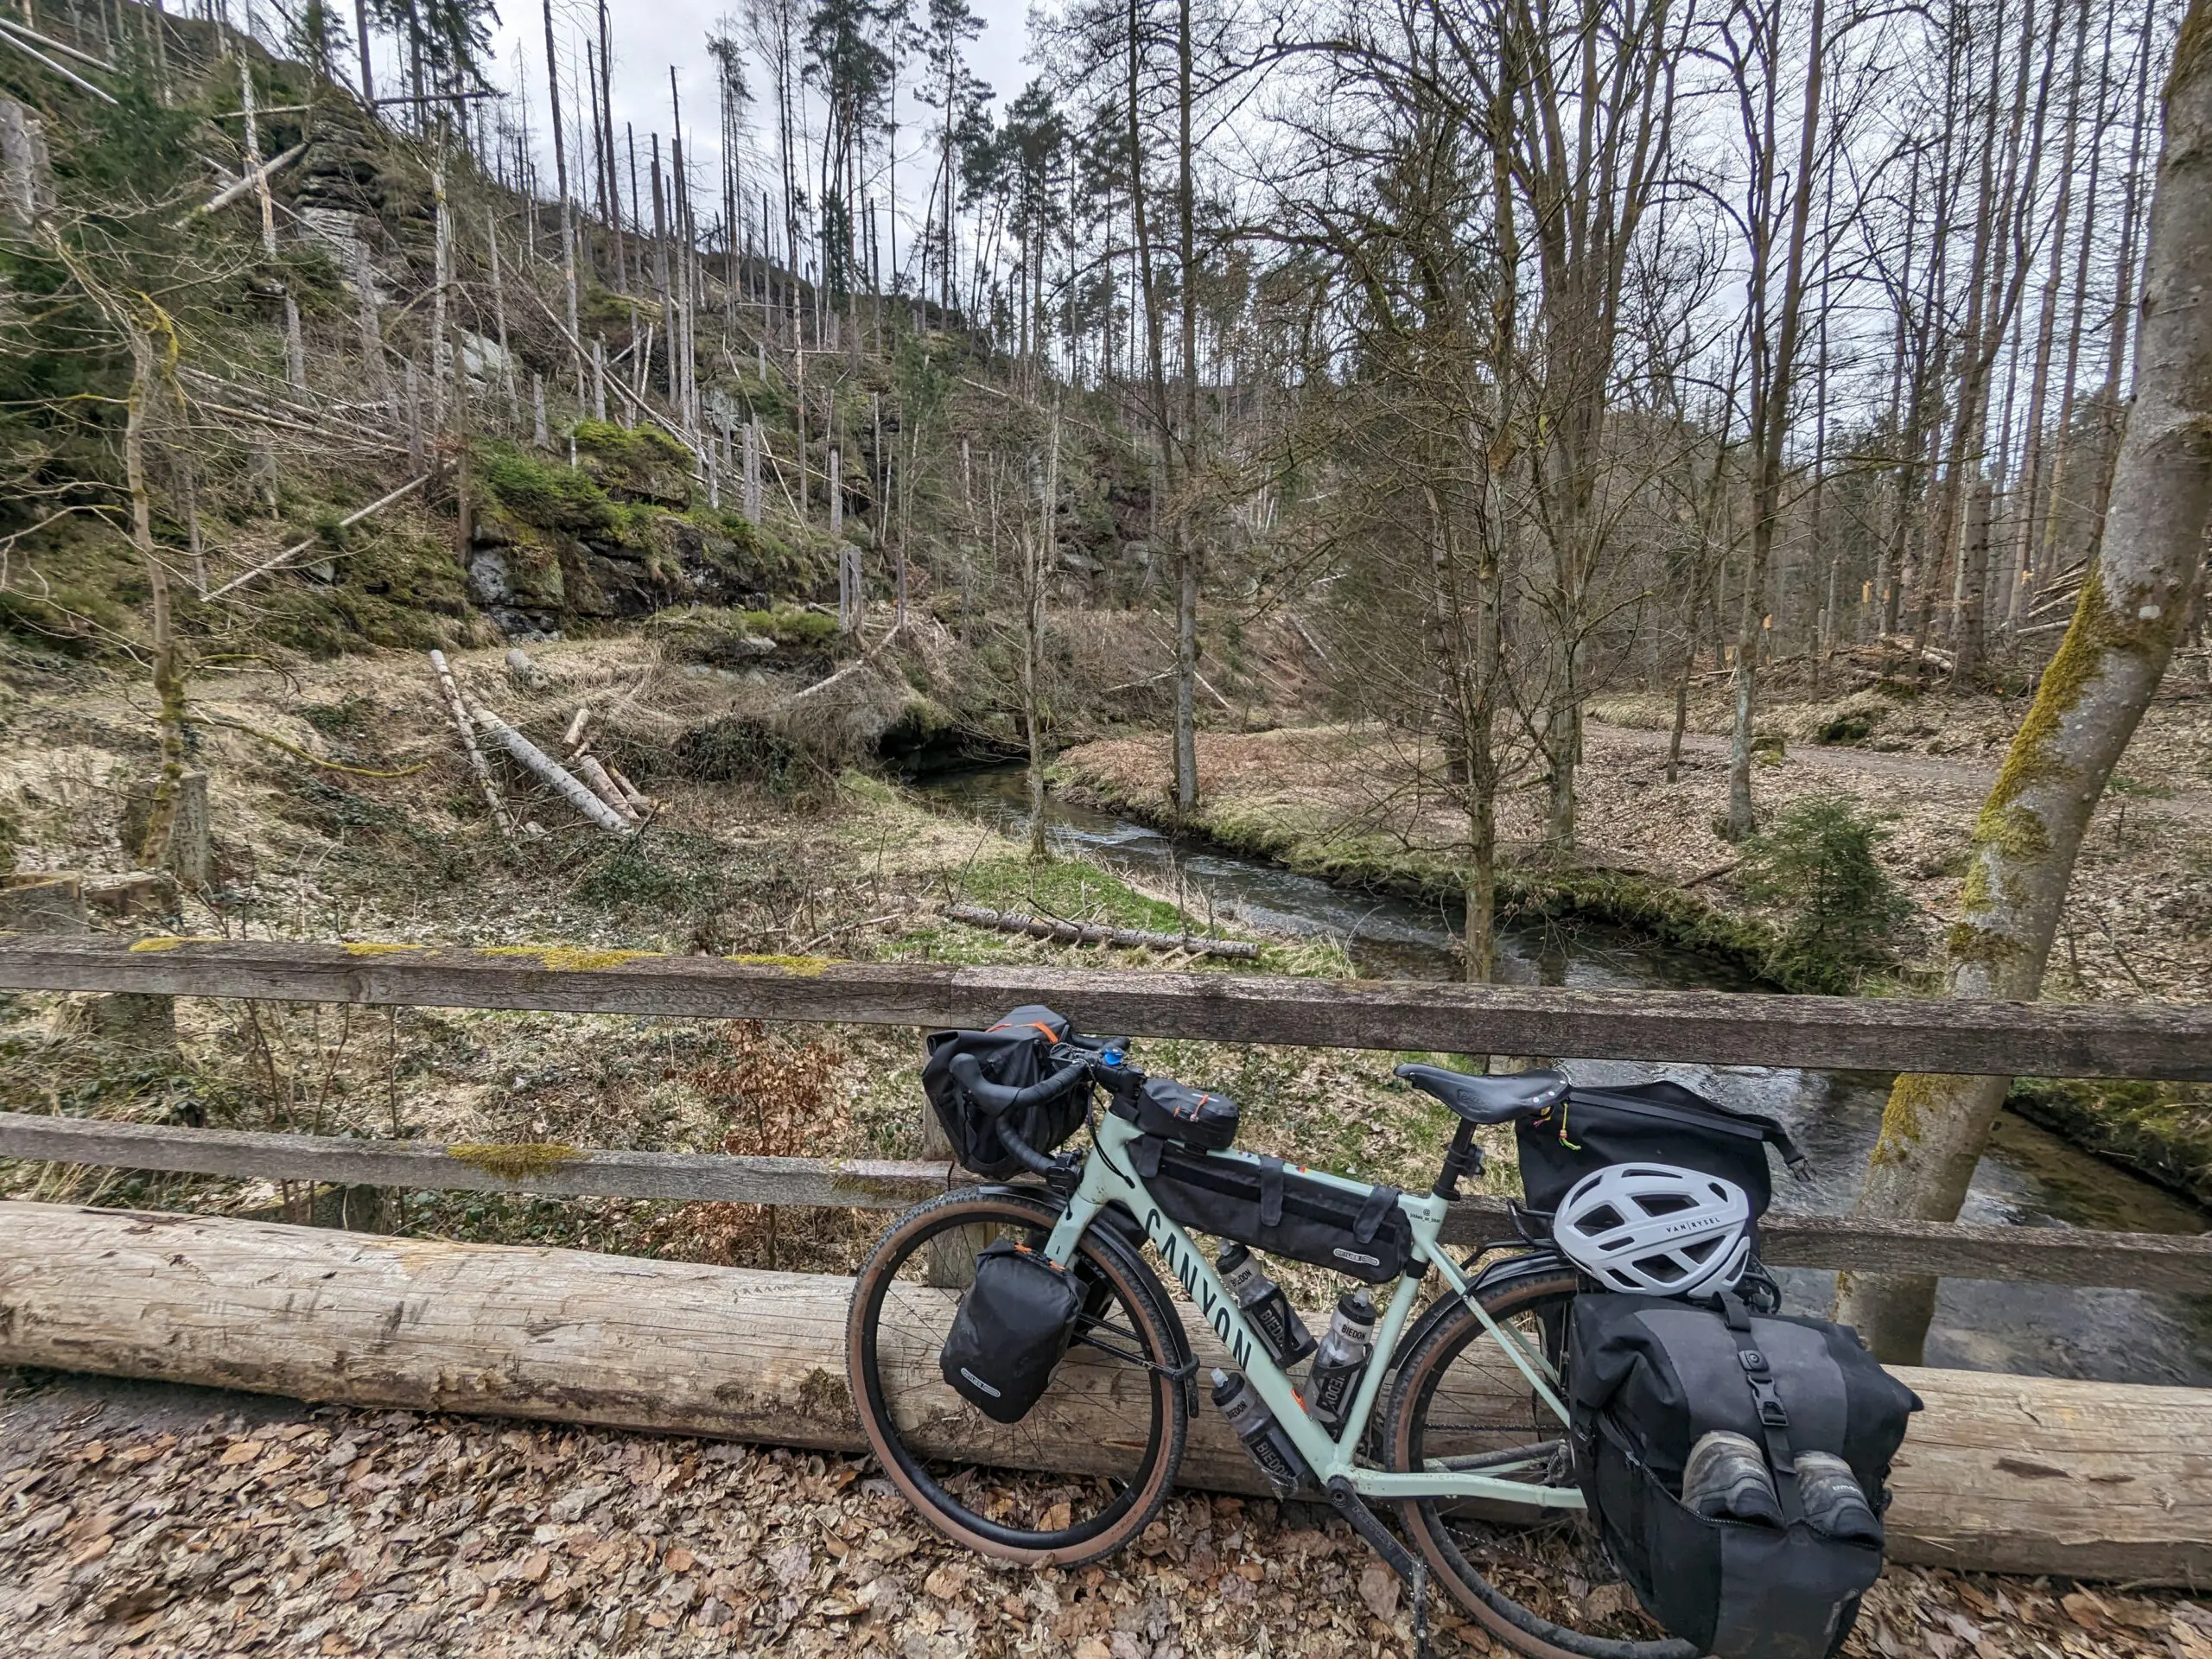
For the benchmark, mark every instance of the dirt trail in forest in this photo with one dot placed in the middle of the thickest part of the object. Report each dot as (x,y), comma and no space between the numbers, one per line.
(1959,773)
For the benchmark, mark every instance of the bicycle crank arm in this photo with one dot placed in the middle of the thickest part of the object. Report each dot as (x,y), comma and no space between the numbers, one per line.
(1379,1538)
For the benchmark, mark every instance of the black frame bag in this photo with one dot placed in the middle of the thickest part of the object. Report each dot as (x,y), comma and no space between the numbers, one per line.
(1013,1052)
(1658,1123)
(1647,1377)
(1261,1203)
(1015,1322)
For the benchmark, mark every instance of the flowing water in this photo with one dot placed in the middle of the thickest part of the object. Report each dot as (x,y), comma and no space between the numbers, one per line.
(2030,1178)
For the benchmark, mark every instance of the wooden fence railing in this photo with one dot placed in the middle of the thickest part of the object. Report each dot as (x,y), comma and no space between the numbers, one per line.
(2056,1256)
(2155,1041)
(1726,1028)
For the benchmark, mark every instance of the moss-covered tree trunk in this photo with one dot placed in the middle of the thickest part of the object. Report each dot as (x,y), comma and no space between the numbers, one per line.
(2094,691)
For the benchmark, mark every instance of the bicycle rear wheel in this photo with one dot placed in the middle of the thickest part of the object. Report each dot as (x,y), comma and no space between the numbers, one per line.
(1102,1444)
(1536,1579)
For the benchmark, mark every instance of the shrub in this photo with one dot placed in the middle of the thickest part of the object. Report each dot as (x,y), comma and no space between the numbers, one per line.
(1841,911)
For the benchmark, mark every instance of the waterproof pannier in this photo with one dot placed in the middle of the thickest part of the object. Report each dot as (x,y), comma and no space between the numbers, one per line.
(1175,1111)
(1013,1052)
(1014,1323)
(1261,1203)
(1647,1123)
(1650,1378)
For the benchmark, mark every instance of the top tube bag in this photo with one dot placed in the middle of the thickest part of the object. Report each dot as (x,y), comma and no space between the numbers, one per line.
(1013,1052)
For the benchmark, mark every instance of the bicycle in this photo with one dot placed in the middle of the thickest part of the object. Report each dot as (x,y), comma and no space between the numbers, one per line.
(1469,1446)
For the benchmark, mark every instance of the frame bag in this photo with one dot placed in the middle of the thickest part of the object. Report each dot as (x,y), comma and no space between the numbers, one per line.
(1261,1203)
(1014,1323)
(1648,1378)
(1013,1052)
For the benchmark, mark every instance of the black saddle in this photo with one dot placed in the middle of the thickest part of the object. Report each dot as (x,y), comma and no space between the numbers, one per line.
(1488,1100)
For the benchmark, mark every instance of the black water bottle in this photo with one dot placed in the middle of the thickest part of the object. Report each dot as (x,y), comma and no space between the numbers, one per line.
(1341,1361)
(1270,1446)
(1282,1332)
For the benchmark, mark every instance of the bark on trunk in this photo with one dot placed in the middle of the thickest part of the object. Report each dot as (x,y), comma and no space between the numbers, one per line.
(2092,696)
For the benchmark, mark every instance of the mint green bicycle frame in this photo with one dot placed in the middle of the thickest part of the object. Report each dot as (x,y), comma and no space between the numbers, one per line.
(1108,1176)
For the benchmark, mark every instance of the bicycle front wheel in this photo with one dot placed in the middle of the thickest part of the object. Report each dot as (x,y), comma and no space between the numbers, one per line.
(1536,1579)
(1096,1454)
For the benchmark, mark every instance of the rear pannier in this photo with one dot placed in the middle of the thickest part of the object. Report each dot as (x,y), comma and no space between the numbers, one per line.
(1786,1429)
(1261,1203)
(1013,1052)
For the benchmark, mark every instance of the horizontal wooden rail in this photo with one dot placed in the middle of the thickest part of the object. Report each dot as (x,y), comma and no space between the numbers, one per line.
(2058,1256)
(1996,1039)
(2014,1474)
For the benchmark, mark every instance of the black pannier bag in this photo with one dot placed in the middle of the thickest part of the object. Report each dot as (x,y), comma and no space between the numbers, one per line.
(1647,1123)
(1014,1325)
(1648,1378)
(1259,1202)
(1013,1052)
(1175,1111)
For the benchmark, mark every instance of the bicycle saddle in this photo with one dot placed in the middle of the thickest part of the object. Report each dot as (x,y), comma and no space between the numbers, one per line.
(1488,1100)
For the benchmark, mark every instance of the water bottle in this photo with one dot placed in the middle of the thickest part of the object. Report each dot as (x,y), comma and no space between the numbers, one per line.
(1341,1361)
(1263,1437)
(1268,1311)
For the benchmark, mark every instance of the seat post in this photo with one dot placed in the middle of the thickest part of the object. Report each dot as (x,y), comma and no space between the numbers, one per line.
(1465,1157)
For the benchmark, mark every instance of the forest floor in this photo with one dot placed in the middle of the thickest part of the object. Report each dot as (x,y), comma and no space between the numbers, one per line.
(151,1520)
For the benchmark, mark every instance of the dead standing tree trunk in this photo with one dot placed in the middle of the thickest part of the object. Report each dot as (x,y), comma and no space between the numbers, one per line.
(2092,696)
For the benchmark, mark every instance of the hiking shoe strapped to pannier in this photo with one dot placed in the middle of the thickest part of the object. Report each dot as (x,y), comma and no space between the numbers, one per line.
(1648,1123)
(1012,1052)
(1661,1390)
(1014,1323)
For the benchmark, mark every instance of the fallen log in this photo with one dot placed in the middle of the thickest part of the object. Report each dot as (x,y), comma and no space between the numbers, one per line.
(1052,927)
(2001,1473)
(478,767)
(572,790)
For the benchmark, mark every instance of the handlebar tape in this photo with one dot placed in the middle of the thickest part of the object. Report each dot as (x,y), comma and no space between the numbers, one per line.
(996,1098)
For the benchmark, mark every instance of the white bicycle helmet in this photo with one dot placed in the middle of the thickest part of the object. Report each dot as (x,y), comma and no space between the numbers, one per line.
(1652,1229)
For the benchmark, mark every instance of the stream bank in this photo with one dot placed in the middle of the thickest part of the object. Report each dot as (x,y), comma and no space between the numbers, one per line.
(2030,1178)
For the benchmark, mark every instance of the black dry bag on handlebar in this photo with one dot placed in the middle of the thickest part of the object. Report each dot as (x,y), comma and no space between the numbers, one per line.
(1013,1326)
(1013,1053)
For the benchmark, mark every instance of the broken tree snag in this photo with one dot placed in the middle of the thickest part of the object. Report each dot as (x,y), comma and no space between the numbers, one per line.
(1052,927)
(1999,1474)
(544,766)
(477,765)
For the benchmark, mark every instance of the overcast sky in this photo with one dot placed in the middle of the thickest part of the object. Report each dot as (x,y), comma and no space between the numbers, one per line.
(649,38)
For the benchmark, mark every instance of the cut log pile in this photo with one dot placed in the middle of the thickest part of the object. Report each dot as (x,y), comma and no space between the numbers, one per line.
(596,790)
(2001,1473)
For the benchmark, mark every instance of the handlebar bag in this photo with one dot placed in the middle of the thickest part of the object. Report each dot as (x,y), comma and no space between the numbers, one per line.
(1175,1111)
(1013,1052)
(1014,1323)
(1648,1376)
(1658,1123)
(1270,1206)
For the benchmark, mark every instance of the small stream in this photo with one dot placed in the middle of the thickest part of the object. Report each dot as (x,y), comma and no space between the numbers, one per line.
(2030,1178)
